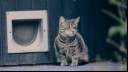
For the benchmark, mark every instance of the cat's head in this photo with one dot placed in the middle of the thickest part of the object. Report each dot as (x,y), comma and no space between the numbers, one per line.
(68,27)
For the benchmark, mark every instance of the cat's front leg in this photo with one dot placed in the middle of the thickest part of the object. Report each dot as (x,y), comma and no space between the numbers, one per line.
(64,62)
(74,61)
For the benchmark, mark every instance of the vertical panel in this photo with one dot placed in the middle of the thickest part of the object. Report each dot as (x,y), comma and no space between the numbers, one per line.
(1,58)
(44,56)
(21,5)
(101,29)
(70,9)
(54,13)
(39,4)
(9,59)
(87,28)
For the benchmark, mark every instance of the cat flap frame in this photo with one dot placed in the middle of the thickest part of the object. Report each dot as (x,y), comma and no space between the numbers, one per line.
(40,44)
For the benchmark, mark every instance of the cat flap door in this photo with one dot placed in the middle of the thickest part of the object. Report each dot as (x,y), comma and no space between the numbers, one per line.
(27,31)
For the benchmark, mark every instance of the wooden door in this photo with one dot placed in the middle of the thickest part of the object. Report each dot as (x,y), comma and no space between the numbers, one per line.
(54,8)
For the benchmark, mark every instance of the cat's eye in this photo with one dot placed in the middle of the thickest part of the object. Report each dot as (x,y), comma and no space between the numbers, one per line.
(63,29)
(75,28)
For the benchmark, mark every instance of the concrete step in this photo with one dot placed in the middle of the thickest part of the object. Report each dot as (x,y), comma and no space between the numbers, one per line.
(86,67)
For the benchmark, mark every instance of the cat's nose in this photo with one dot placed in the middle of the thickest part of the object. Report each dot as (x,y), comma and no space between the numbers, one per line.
(73,31)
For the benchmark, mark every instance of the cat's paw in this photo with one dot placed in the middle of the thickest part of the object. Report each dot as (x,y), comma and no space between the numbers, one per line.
(64,63)
(74,64)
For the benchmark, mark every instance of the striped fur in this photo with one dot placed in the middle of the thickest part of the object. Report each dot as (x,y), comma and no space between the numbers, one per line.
(69,44)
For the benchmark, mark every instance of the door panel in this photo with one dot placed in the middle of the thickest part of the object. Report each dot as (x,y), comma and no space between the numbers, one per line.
(42,57)
(8,59)
(23,5)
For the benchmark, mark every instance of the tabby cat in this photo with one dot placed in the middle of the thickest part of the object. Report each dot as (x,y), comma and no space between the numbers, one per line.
(69,44)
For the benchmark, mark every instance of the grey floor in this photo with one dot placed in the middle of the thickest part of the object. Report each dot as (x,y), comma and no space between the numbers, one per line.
(87,67)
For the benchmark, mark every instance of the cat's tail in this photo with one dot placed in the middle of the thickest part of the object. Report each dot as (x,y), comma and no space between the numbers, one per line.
(84,54)
(84,57)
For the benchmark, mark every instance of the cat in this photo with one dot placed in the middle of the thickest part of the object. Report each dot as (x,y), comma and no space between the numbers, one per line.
(69,44)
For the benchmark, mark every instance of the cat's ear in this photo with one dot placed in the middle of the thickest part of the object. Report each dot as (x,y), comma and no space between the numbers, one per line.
(77,20)
(62,20)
